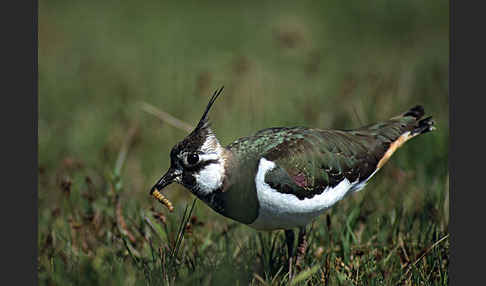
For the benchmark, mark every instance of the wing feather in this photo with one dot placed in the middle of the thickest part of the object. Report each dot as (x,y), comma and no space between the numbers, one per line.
(317,159)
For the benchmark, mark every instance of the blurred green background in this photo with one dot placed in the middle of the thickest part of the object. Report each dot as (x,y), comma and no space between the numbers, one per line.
(326,64)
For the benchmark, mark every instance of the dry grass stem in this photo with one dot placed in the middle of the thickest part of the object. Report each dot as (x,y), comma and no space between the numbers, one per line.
(166,117)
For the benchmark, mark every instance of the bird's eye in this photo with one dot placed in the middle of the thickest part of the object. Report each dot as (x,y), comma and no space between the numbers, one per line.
(192,159)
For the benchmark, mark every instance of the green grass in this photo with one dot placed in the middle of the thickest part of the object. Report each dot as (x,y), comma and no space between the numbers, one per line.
(328,65)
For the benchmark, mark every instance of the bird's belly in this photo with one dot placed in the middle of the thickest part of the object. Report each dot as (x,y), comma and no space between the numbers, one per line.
(284,211)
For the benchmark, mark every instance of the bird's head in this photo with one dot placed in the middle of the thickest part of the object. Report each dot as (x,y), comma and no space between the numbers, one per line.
(198,161)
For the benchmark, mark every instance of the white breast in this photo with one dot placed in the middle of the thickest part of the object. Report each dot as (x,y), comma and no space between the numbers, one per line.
(285,211)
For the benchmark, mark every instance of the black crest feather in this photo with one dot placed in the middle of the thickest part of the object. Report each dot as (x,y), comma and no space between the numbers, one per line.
(204,119)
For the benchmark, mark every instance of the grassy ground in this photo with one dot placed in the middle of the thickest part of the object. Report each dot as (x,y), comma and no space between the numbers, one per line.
(328,65)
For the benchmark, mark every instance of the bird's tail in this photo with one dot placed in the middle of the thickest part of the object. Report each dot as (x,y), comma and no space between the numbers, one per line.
(422,125)
(409,122)
(402,128)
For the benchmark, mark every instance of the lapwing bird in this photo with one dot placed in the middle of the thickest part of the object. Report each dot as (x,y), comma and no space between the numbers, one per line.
(284,177)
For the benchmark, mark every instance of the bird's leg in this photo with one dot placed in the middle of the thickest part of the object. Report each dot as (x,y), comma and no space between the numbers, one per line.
(290,238)
(301,246)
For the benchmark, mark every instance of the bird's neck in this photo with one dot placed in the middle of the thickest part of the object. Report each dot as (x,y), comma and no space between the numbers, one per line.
(236,197)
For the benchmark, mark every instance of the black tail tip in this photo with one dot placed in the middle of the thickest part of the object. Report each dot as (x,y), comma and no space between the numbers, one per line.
(416,111)
(425,125)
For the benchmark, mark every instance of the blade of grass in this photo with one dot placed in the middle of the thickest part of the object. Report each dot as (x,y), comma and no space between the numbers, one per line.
(424,253)
(184,225)
(304,275)
(260,279)
(152,227)
(122,155)
(135,259)
(179,231)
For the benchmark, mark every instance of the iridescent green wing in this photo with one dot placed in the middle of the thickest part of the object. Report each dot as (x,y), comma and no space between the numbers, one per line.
(310,160)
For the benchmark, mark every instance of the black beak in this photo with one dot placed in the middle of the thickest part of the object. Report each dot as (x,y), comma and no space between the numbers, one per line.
(166,180)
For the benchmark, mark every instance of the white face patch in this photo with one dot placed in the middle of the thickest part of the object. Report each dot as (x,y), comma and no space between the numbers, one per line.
(286,211)
(210,177)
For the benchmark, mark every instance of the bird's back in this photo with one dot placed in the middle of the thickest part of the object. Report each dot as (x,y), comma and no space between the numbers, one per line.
(308,169)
